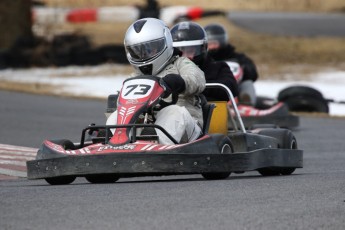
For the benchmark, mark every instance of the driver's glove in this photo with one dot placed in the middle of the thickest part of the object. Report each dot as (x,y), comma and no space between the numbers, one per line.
(173,83)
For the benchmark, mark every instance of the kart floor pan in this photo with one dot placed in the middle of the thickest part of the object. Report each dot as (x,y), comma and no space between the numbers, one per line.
(141,164)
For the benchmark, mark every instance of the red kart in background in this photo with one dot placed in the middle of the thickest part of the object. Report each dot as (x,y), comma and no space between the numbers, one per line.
(266,111)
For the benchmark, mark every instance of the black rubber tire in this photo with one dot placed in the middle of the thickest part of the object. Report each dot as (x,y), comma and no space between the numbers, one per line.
(264,102)
(286,141)
(304,103)
(112,103)
(303,99)
(63,180)
(269,172)
(293,91)
(225,147)
(102,178)
(66,144)
(289,142)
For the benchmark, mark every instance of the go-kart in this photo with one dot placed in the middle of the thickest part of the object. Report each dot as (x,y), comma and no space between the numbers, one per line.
(126,151)
(295,98)
(265,111)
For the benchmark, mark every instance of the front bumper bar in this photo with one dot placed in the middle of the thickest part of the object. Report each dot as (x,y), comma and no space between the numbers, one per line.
(144,164)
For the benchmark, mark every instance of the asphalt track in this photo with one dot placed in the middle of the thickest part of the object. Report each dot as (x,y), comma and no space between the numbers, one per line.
(28,119)
(311,198)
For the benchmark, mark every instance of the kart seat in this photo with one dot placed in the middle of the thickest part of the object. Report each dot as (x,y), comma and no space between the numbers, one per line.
(207,110)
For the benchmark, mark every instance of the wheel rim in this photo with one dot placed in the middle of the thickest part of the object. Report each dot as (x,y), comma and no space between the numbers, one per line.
(293,144)
(226,149)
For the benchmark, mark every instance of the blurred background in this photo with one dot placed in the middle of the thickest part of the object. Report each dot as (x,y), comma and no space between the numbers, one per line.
(48,33)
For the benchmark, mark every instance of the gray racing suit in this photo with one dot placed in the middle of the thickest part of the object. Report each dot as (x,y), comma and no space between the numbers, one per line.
(183,120)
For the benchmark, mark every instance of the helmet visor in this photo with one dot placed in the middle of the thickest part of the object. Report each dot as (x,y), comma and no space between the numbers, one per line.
(190,49)
(221,39)
(146,50)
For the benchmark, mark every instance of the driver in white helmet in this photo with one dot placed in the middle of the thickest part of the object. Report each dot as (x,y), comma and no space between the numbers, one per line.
(149,49)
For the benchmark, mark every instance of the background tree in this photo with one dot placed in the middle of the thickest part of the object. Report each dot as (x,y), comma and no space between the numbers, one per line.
(15,21)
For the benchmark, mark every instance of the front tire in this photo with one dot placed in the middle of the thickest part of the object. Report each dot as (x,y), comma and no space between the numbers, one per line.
(102,178)
(62,180)
(225,147)
(66,144)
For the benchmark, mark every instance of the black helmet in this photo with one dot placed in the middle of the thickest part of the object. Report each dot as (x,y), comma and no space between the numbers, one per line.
(190,38)
(217,33)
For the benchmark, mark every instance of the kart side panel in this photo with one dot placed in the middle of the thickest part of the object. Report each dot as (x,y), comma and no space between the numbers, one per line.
(288,121)
(246,142)
(144,164)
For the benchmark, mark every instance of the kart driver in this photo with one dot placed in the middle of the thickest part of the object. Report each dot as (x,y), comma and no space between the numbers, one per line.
(149,49)
(221,50)
(190,38)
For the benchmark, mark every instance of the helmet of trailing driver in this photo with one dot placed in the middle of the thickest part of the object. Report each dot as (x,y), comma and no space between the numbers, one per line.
(216,35)
(148,45)
(190,39)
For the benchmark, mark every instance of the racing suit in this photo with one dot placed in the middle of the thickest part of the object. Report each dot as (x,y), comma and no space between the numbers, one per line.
(250,75)
(183,120)
(218,72)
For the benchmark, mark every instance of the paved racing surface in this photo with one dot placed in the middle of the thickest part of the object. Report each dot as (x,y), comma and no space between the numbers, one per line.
(294,24)
(28,119)
(311,198)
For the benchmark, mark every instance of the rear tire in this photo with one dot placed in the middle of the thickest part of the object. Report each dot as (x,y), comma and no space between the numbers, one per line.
(289,142)
(286,141)
(225,147)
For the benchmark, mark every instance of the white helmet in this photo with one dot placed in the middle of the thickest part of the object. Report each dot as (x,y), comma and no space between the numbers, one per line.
(148,45)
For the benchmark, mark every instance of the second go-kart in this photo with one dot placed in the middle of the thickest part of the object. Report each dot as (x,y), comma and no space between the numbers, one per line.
(125,151)
(294,98)
(266,111)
